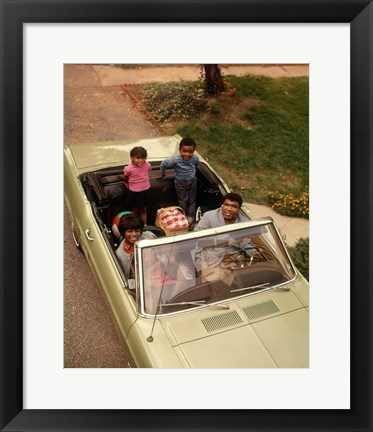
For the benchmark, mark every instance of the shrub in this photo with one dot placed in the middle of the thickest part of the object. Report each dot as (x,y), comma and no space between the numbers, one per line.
(288,205)
(300,256)
(175,100)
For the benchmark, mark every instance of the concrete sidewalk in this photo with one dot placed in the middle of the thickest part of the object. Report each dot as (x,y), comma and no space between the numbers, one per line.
(111,75)
(291,227)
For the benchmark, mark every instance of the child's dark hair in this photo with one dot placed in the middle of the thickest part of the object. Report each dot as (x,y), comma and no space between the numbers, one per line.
(128,222)
(139,151)
(232,196)
(187,142)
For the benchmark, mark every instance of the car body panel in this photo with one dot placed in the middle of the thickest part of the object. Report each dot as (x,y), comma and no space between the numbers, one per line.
(243,336)
(90,156)
(239,348)
(301,289)
(286,338)
(275,343)
(150,346)
(248,310)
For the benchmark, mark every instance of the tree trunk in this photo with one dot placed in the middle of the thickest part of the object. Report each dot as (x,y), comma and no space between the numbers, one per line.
(214,82)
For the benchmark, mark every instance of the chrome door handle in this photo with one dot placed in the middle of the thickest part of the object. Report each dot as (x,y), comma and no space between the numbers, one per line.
(87,234)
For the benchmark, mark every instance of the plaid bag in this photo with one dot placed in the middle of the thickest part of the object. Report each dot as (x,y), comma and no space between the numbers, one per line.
(172,220)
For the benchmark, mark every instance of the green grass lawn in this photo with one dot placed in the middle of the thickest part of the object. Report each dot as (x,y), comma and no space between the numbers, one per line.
(257,139)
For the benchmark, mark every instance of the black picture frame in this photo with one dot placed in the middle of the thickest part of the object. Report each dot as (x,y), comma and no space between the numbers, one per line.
(13,15)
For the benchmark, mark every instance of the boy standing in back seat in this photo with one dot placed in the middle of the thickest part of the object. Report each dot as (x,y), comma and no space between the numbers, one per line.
(185,176)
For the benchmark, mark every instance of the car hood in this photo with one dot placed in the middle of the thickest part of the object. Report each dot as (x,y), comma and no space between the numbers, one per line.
(269,333)
(106,154)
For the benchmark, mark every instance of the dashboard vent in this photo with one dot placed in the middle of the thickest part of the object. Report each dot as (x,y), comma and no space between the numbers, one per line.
(261,309)
(218,322)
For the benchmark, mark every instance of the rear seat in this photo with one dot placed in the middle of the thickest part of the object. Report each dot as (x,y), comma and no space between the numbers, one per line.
(116,193)
(162,194)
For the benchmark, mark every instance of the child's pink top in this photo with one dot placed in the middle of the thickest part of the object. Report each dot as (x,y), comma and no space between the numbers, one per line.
(138,178)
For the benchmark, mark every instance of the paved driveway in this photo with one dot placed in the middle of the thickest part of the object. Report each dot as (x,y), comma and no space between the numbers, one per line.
(92,113)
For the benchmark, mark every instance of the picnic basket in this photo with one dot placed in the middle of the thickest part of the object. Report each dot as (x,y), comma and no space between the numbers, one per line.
(172,220)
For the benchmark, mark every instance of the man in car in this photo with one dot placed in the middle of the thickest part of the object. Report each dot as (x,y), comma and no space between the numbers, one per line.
(209,260)
(228,213)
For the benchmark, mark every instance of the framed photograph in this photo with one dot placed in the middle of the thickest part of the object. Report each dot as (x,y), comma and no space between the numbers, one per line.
(335,392)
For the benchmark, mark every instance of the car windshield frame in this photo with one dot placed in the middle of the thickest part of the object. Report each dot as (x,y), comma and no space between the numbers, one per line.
(173,273)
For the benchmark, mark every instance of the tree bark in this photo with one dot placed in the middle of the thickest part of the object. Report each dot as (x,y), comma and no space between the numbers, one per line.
(214,82)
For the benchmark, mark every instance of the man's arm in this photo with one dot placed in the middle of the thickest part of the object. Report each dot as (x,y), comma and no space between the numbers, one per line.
(202,224)
(206,221)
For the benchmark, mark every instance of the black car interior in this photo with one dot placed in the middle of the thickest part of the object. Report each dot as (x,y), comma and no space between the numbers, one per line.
(106,191)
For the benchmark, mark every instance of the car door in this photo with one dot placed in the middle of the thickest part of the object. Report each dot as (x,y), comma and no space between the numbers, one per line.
(104,264)
(92,238)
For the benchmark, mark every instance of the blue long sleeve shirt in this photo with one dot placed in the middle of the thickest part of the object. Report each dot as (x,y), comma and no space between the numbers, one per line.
(184,169)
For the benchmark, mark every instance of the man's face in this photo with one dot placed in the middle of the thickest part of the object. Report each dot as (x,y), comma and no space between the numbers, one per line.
(186,151)
(230,210)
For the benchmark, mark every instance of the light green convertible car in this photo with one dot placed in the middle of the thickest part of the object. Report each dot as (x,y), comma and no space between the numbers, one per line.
(254,315)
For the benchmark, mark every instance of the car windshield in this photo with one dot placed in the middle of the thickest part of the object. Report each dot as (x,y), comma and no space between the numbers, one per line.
(208,269)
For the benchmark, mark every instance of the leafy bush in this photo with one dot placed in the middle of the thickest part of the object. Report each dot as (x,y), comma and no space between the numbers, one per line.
(175,100)
(300,256)
(290,206)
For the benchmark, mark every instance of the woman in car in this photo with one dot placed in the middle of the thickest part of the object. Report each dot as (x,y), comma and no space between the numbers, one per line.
(131,229)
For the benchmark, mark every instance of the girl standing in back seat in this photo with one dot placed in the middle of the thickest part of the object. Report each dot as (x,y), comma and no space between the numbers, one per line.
(136,178)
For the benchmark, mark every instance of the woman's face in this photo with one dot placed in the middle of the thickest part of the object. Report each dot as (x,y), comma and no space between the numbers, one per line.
(131,236)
